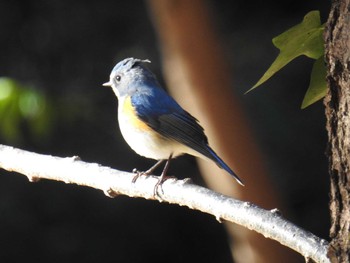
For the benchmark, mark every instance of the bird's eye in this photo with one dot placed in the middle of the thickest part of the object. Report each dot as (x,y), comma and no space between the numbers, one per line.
(118,78)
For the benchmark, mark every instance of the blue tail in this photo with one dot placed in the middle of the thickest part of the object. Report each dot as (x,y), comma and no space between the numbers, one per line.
(219,162)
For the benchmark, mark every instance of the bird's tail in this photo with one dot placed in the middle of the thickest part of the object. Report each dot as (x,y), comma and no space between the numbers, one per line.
(223,165)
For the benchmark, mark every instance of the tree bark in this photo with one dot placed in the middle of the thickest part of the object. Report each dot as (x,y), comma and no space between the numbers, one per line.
(337,104)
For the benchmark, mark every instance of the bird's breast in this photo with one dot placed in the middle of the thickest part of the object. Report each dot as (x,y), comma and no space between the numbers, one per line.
(129,116)
(142,138)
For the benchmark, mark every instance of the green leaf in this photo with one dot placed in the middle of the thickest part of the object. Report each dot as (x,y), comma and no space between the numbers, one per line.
(318,85)
(302,39)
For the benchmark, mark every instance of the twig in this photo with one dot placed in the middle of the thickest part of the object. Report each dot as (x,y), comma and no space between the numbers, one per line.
(113,182)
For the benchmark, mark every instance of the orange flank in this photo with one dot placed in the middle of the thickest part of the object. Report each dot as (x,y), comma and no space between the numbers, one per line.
(129,112)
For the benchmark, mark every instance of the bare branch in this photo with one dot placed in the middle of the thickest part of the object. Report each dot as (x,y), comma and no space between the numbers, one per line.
(113,182)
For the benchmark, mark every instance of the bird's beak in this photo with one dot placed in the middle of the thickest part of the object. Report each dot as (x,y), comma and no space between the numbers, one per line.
(107,84)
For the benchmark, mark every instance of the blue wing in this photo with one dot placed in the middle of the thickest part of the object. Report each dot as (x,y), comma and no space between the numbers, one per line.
(163,114)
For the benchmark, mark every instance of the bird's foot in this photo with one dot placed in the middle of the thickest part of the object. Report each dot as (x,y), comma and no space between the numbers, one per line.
(138,174)
(159,184)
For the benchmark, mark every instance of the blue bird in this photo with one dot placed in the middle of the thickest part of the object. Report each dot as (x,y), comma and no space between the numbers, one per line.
(153,123)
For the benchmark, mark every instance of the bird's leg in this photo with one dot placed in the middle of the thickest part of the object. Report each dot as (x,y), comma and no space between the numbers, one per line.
(148,172)
(163,176)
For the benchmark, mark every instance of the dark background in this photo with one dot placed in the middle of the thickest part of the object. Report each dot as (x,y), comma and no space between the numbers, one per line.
(67,49)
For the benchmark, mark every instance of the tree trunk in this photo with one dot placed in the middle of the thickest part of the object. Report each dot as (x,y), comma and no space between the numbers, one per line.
(198,76)
(337,102)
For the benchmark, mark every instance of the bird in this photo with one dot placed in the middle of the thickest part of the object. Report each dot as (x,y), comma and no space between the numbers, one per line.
(153,124)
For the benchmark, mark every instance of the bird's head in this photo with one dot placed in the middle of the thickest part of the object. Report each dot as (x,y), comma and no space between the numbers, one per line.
(129,75)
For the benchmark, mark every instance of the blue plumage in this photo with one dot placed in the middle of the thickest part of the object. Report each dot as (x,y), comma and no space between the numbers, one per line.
(162,113)
(180,131)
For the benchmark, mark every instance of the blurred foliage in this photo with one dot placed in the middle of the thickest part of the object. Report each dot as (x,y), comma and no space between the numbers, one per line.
(302,39)
(23,110)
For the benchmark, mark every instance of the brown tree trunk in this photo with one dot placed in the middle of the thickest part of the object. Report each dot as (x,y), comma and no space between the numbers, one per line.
(337,102)
(198,76)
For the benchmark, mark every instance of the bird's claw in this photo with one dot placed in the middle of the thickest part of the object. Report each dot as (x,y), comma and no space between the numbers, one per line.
(137,174)
(162,178)
(159,184)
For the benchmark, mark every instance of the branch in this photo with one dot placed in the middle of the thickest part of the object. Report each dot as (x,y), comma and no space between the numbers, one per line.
(113,182)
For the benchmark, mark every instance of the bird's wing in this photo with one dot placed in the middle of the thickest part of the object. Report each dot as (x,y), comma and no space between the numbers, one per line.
(162,113)
(184,128)
(165,116)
